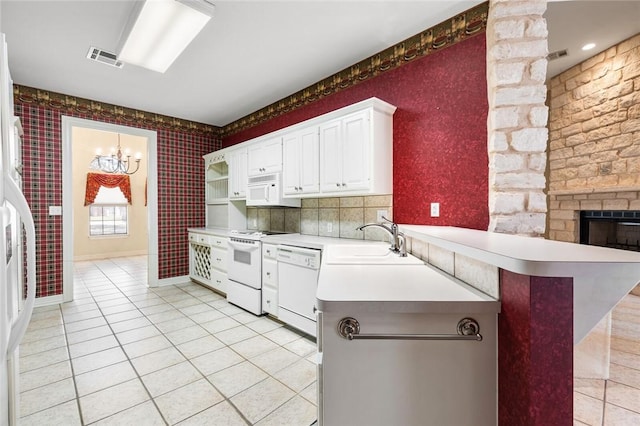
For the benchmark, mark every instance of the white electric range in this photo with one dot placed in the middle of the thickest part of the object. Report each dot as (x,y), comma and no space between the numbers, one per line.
(244,269)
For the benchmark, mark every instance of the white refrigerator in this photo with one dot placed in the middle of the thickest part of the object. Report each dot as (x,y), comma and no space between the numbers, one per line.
(15,218)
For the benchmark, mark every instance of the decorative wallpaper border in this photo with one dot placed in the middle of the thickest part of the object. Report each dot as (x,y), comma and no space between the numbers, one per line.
(103,111)
(445,34)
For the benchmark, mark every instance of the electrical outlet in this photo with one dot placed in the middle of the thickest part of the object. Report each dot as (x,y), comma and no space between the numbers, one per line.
(381,213)
(329,227)
(435,209)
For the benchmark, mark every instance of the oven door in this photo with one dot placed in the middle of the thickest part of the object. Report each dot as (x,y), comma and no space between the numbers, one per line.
(244,262)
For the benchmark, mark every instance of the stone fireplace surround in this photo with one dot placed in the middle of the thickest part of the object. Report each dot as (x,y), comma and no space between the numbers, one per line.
(565,207)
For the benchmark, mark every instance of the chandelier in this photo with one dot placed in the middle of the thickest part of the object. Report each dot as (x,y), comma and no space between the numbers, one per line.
(117,162)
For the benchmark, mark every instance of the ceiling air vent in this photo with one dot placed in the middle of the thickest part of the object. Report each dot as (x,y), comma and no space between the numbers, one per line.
(557,54)
(104,57)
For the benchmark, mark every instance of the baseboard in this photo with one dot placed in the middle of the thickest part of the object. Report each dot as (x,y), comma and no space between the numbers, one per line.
(48,300)
(174,280)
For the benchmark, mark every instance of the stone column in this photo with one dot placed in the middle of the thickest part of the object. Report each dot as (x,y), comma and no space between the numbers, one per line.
(517,122)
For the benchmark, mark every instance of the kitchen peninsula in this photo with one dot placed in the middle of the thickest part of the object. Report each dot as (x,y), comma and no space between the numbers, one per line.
(552,293)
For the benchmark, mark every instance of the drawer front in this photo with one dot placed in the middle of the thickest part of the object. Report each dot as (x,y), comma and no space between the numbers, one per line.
(219,259)
(270,273)
(270,301)
(217,241)
(202,239)
(219,281)
(269,251)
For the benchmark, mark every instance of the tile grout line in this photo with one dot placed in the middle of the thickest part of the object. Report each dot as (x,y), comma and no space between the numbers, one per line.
(175,347)
(115,335)
(90,292)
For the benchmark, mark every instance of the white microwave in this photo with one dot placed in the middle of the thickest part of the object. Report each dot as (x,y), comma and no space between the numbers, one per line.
(266,190)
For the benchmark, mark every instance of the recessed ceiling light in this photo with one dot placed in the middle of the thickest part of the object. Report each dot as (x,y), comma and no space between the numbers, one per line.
(588,46)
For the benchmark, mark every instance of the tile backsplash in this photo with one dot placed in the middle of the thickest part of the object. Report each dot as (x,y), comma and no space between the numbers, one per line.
(327,217)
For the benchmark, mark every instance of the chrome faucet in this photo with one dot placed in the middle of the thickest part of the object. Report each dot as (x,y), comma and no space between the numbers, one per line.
(397,238)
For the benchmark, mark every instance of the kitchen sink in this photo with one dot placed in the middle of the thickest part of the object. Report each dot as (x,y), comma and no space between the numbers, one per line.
(366,254)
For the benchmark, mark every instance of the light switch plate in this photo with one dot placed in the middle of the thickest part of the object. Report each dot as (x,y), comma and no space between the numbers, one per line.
(435,209)
(329,227)
(381,213)
(55,210)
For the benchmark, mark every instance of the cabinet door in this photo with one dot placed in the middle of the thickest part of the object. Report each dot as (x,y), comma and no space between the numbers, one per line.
(310,161)
(301,165)
(265,157)
(254,160)
(219,259)
(291,164)
(238,174)
(330,156)
(273,155)
(218,281)
(270,273)
(355,152)
(270,301)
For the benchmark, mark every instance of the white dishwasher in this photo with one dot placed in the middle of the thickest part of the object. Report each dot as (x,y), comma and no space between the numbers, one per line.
(298,270)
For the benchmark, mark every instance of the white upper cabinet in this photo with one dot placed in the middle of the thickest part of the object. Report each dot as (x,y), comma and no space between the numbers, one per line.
(237,173)
(345,153)
(301,162)
(356,150)
(265,157)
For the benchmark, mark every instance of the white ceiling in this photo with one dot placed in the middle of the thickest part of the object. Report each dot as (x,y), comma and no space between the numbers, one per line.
(572,24)
(252,53)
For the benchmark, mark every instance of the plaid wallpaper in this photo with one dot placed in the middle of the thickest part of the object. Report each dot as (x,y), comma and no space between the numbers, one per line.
(180,181)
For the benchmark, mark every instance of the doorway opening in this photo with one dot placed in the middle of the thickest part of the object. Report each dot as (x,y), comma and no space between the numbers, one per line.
(80,139)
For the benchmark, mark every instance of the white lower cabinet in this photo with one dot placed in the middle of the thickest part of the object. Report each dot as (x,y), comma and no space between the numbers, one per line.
(399,381)
(219,281)
(208,260)
(269,280)
(270,301)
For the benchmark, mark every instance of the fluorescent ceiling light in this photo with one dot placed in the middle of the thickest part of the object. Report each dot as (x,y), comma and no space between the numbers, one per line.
(588,46)
(159,30)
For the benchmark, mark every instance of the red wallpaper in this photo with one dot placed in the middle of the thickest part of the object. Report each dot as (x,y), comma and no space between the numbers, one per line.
(535,350)
(180,191)
(440,133)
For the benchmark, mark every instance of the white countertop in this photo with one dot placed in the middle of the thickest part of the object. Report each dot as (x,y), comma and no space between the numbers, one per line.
(397,289)
(386,288)
(601,276)
(221,232)
(525,255)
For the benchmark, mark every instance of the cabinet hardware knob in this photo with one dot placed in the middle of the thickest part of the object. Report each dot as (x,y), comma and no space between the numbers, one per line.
(344,184)
(337,184)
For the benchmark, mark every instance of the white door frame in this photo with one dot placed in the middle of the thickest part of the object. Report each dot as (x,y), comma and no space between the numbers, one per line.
(68,123)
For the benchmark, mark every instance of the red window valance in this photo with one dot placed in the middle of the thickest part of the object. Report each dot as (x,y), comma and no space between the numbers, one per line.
(96,180)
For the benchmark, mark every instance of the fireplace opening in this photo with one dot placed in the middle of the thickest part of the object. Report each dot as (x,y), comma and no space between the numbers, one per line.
(611,228)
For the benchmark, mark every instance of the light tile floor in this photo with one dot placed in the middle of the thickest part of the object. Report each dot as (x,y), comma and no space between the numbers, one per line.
(125,354)
(615,402)
(122,353)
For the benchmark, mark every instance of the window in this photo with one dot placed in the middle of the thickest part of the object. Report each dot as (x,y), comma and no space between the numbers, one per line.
(108,213)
